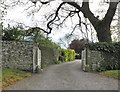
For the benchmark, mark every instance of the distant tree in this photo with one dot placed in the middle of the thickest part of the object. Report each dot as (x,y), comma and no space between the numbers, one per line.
(78,45)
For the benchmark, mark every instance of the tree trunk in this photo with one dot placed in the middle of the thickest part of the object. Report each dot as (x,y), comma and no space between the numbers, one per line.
(104,36)
(103,32)
(102,27)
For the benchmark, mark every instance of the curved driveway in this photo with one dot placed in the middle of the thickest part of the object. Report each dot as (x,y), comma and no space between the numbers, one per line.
(66,76)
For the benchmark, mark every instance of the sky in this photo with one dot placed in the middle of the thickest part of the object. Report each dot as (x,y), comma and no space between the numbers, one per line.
(23,14)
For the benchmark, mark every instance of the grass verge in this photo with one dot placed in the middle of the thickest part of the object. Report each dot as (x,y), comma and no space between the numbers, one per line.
(112,73)
(10,76)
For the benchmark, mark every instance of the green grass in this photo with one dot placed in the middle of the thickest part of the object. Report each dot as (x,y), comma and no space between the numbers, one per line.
(112,73)
(10,76)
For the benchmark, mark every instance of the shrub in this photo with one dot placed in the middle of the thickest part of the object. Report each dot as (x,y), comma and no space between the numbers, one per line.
(71,54)
(66,55)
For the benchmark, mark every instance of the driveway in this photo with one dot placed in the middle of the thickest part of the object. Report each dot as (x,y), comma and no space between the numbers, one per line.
(66,76)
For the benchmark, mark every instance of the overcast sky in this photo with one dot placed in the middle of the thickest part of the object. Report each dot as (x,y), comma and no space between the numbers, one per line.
(19,14)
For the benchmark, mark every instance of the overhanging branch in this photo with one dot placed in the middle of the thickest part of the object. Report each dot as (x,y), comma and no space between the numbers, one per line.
(56,14)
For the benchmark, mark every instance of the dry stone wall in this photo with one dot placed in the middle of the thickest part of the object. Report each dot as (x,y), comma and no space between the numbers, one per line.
(49,56)
(91,60)
(18,55)
(25,56)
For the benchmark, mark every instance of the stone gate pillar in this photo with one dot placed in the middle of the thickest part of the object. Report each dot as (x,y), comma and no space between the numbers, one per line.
(36,59)
(83,59)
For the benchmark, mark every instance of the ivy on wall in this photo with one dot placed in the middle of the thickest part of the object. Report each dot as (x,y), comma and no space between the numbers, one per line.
(104,46)
(110,52)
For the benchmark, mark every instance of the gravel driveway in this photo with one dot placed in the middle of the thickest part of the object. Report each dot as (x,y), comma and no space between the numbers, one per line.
(66,76)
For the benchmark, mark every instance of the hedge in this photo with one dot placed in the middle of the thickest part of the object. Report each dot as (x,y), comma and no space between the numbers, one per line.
(110,53)
(66,55)
(104,46)
(71,55)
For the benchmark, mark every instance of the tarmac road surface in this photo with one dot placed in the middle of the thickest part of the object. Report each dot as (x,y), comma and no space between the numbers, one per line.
(65,76)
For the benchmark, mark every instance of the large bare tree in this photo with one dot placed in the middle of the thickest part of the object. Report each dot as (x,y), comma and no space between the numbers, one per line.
(102,27)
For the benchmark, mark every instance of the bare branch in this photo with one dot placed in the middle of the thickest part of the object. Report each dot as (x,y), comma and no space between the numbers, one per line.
(29,27)
(56,14)
(110,13)
(84,9)
(88,14)
(41,1)
(46,1)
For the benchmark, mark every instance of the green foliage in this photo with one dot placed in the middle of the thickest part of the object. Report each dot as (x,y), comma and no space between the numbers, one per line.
(45,42)
(104,46)
(31,34)
(67,55)
(11,34)
(110,53)
(71,54)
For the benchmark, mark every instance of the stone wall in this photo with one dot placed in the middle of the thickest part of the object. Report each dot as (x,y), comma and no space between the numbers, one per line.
(17,55)
(48,56)
(91,60)
(27,55)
